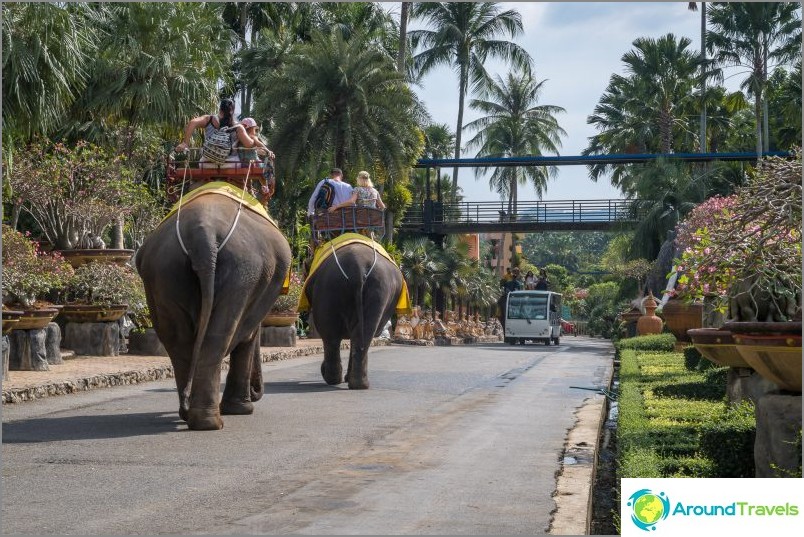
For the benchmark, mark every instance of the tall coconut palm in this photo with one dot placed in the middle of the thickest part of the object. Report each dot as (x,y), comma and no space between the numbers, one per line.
(693,6)
(464,36)
(515,124)
(751,36)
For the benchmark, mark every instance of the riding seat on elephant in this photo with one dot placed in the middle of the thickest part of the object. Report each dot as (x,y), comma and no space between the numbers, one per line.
(212,270)
(352,288)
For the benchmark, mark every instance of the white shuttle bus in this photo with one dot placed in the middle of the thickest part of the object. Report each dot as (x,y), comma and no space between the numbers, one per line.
(533,316)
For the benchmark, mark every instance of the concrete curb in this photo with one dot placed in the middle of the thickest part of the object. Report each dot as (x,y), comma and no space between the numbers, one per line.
(123,378)
(576,479)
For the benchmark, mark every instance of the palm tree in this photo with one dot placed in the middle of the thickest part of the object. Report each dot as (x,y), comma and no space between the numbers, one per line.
(515,124)
(420,264)
(466,34)
(343,102)
(457,268)
(47,52)
(750,36)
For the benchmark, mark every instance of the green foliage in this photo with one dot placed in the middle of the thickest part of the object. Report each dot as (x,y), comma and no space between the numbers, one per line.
(397,199)
(692,357)
(106,284)
(650,343)
(601,308)
(28,273)
(729,441)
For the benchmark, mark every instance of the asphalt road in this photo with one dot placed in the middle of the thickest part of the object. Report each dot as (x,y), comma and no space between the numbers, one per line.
(448,440)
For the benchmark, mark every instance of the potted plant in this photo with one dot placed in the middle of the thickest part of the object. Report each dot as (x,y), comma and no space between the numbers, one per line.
(102,292)
(750,257)
(284,312)
(74,194)
(28,276)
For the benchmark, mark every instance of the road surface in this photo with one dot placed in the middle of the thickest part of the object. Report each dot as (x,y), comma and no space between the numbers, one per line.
(448,440)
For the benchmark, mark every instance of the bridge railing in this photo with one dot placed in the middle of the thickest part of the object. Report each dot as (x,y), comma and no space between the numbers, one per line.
(490,212)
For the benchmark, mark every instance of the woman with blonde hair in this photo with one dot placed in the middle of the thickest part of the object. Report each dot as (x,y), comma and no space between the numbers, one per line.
(363,195)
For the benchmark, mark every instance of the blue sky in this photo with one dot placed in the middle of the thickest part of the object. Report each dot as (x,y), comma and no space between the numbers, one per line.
(576,46)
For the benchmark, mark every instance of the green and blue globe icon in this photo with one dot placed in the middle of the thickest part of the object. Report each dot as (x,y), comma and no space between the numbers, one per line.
(648,508)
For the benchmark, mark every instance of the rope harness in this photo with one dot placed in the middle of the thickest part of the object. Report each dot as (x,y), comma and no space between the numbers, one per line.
(373,247)
(234,223)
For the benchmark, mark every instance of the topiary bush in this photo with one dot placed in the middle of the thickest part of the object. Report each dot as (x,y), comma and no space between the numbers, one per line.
(651,343)
(729,441)
(691,358)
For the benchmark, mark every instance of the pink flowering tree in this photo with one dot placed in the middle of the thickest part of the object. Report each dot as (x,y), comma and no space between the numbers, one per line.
(72,192)
(747,246)
(28,273)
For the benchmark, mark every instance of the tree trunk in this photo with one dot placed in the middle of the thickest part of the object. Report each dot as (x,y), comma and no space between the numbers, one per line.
(666,130)
(461,97)
(16,208)
(403,33)
(703,142)
(758,116)
(389,225)
(117,233)
(765,133)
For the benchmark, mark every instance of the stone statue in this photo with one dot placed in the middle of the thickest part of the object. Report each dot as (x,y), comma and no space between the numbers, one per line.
(439,327)
(403,329)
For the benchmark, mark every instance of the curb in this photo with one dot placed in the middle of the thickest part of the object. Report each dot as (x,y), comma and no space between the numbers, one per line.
(123,378)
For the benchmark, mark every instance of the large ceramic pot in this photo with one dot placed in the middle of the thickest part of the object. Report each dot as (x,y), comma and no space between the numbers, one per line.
(772,349)
(280,319)
(680,317)
(10,319)
(78,257)
(649,323)
(86,313)
(36,319)
(718,346)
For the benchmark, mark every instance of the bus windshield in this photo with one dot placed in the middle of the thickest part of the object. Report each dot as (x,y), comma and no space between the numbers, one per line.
(526,306)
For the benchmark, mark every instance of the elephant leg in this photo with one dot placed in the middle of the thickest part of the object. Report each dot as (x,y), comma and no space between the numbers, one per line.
(237,392)
(331,368)
(180,356)
(204,409)
(357,373)
(257,386)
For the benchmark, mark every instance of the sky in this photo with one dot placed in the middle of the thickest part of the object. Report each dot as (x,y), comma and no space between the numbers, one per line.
(576,47)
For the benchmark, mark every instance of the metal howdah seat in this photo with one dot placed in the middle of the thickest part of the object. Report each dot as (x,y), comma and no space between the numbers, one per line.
(366,220)
(188,168)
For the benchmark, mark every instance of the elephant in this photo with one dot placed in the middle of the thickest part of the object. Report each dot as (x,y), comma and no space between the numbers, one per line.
(350,299)
(209,302)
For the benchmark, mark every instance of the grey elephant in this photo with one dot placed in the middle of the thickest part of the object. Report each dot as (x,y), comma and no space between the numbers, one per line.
(352,294)
(208,302)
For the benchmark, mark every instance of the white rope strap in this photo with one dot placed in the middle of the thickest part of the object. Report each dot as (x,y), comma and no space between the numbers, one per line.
(374,247)
(239,208)
(178,213)
(336,260)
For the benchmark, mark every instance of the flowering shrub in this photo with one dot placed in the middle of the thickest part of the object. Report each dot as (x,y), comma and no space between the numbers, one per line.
(749,248)
(29,273)
(287,303)
(106,284)
(72,190)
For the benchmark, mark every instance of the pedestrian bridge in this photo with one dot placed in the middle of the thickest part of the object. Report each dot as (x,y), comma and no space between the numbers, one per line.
(530,216)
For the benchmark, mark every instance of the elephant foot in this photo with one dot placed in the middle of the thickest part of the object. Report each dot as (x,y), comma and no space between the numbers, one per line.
(332,375)
(183,414)
(358,384)
(204,419)
(237,407)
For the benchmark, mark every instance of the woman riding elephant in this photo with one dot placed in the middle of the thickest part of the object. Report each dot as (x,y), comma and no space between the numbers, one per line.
(212,272)
(352,294)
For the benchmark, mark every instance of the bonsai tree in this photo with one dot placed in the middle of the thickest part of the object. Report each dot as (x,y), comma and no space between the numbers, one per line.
(106,284)
(28,273)
(73,193)
(747,251)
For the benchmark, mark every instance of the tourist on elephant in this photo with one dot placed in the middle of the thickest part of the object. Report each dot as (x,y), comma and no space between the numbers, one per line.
(211,123)
(341,191)
(253,131)
(363,195)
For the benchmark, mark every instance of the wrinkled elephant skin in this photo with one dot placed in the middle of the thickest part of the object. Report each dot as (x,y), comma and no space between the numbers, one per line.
(356,308)
(208,304)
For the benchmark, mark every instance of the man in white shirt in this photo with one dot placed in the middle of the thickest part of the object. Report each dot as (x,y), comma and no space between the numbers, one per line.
(343,191)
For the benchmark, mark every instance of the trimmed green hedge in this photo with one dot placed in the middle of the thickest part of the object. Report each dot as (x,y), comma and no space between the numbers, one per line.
(655,342)
(691,358)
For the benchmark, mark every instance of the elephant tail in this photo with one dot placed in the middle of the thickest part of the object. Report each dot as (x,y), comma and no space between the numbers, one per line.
(206,280)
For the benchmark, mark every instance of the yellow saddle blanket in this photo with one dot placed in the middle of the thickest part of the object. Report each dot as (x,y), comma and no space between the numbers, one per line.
(325,250)
(224,189)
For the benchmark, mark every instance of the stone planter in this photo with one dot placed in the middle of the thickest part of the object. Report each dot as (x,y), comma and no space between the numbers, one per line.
(10,319)
(76,258)
(87,313)
(146,343)
(36,319)
(680,317)
(718,346)
(280,319)
(772,349)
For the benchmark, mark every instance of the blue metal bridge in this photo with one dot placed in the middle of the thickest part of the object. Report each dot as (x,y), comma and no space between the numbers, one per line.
(436,217)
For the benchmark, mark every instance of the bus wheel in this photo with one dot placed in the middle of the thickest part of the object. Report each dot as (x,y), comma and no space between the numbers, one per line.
(547,342)
(556,341)
(521,341)
(510,340)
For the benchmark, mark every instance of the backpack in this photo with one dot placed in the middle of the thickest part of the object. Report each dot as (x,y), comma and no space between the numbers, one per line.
(323,199)
(217,145)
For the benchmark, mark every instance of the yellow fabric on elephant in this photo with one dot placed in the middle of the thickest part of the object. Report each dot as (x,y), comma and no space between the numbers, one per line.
(224,189)
(325,250)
